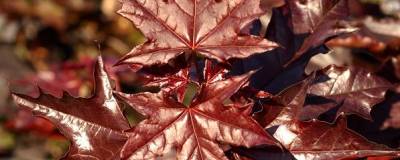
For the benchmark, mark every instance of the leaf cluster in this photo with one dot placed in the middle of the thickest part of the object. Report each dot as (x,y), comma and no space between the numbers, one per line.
(252,96)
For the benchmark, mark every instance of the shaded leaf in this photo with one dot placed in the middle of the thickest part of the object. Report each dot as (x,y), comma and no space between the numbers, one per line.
(373,129)
(213,72)
(174,84)
(352,90)
(390,69)
(269,4)
(320,140)
(394,120)
(289,101)
(274,76)
(207,27)
(321,19)
(308,14)
(316,139)
(193,132)
(94,125)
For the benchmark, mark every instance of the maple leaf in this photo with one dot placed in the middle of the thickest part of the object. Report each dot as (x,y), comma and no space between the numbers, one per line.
(178,82)
(193,132)
(175,83)
(94,125)
(322,19)
(319,140)
(352,90)
(240,100)
(208,27)
(213,72)
(274,75)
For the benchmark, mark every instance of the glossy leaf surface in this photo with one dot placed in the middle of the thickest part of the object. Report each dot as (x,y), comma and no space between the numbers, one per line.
(352,90)
(207,27)
(213,72)
(194,132)
(319,140)
(173,84)
(322,19)
(192,52)
(94,125)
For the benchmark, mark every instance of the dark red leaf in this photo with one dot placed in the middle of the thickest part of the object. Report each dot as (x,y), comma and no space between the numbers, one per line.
(268,113)
(236,156)
(354,91)
(308,14)
(323,19)
(173,84)
(194,132)
(213,72)
(178,82)
(273,76)
(394,120)
(320,140)
(291,102)
(269,4)
(93,125)
(316,139)
(208,27)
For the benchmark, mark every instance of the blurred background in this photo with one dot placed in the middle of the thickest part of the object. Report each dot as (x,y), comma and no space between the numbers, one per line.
(53,44)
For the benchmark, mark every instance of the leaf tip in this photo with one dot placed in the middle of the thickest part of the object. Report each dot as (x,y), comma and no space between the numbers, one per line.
(20,99)
(15,97)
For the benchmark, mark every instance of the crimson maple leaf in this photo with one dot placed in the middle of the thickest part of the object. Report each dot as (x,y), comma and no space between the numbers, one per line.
(322,19)
(93,125)
(211,28)
(352,90)
(319,140)
(213,72)
(175,83)
(194,132)
(178,82)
